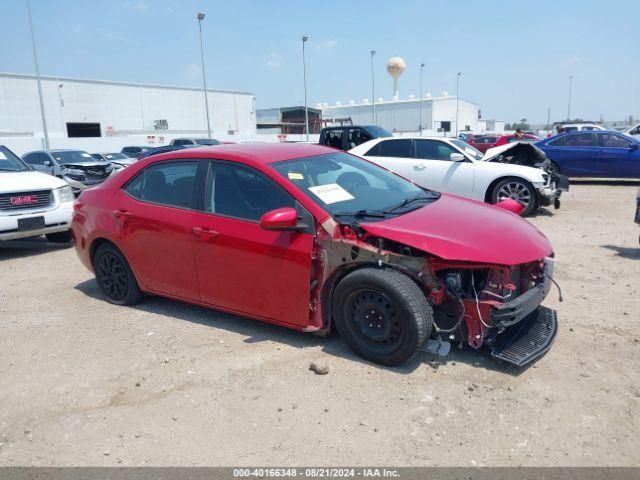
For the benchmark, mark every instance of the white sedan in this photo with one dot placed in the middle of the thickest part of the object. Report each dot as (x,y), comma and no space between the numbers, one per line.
(451,165)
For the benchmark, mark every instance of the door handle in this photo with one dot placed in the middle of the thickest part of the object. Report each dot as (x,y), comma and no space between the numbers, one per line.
(419,166)
(204,234)
(600,152)
(122,216)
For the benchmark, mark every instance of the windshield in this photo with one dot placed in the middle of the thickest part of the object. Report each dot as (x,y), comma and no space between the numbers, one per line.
(378,132)
(345,185)
(10,162)
(207,141)
(468,149)
(72,156)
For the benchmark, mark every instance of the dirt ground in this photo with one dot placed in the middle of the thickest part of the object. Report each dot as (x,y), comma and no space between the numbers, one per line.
(83,382)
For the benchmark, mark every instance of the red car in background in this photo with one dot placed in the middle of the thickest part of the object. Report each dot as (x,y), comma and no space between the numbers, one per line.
(485,142)
(306,237)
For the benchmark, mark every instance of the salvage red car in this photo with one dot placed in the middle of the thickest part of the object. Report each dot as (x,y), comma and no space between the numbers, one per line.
(308,237)
(485,142)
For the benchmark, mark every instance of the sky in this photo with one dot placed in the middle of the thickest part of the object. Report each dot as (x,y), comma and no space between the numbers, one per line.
(515,57)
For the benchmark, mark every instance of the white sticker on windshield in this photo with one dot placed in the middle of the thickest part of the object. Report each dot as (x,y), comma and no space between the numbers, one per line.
(86,155)
(2,156)
(331,193)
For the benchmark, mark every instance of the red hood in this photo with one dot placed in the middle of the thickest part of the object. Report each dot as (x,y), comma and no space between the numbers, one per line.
(455,228)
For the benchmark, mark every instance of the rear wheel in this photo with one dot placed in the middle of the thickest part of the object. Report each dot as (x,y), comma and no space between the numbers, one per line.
(115,277)
(382,315)
(59,237)
(516,189)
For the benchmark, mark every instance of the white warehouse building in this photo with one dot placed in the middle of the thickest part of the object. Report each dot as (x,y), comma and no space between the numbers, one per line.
(398,116)
(105,114)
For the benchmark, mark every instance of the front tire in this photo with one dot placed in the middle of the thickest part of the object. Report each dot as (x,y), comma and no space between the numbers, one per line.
(59,237)
(115,277)
(382,315)
(516,189)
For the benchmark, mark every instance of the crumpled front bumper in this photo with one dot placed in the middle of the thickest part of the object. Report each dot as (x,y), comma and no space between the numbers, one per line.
(512,312)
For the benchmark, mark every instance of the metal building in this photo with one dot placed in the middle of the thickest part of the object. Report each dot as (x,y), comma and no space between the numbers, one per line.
(97,108)
(438,114)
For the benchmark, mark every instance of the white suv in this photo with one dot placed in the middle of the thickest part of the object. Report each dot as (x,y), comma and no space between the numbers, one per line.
(32,203)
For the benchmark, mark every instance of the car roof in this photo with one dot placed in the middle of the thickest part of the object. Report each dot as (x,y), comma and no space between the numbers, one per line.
(249,153)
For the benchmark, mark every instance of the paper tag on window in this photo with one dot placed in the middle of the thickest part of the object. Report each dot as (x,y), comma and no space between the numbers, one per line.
(295,176)
(2,156)
(331,193)
(86,155)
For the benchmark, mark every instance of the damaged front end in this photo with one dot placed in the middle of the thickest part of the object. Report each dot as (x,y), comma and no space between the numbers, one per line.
(473,303)
(528,155)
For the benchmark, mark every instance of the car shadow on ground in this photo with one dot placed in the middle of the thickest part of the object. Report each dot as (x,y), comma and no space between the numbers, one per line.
(256,331)
(632,253)
(28,247)
(612,183)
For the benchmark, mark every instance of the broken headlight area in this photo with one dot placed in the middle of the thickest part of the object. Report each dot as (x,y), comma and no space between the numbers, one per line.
(496,306)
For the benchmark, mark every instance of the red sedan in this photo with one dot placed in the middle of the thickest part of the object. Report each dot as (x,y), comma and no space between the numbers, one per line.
(307,237)
(485,142)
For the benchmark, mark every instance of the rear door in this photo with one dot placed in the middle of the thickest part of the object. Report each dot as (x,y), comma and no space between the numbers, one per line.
(617,157)
(575,153)
(241,266)
(155,216)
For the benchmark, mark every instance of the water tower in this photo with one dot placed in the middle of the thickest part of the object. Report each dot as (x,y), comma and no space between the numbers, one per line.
(395,68)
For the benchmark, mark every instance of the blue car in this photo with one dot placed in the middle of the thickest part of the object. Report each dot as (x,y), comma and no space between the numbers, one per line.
(593,154)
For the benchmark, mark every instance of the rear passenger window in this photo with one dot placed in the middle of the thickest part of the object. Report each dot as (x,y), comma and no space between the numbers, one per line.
(170,184)
(392,148)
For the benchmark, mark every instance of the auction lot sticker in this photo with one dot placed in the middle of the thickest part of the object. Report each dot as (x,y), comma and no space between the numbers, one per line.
(331,193)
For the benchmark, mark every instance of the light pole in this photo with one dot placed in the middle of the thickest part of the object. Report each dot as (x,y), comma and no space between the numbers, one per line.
(420,92)
(569,103)
(305,38)
(35,60)
(373,87)
(204,77)
(457,97)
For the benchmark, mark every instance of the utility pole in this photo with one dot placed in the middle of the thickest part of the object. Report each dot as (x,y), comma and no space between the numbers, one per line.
(373,87)
(35,60)
(204,77)
(548,117)
(457,97)
(305,38)
(569,103)
(420,92)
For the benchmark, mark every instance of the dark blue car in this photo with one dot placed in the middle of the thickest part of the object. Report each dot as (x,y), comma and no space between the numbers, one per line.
(594,154)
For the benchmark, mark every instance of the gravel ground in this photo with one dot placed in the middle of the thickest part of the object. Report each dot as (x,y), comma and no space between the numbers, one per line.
(83,382)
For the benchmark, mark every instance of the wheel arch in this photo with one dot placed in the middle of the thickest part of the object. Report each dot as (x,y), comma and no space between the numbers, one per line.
(342,271)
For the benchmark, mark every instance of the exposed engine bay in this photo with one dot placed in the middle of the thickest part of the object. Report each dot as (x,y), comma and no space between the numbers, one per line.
(472,303)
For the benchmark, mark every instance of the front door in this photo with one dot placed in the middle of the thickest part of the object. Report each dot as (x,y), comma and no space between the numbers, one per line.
(155,217)
(434,168)
(241,266)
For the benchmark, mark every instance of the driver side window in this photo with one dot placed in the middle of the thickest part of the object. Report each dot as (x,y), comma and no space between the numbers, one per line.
(434,150)
(242,193)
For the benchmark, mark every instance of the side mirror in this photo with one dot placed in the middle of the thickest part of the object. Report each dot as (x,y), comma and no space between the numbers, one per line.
(457,157)
(633,146)
(280,219)
(48,163)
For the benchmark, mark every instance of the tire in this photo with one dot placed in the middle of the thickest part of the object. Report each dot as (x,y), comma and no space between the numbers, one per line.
(402,316)
(59,237)
(115,277)
(553,167)
(517,189)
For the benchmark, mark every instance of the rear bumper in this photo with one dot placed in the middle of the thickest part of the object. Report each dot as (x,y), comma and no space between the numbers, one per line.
(510,313)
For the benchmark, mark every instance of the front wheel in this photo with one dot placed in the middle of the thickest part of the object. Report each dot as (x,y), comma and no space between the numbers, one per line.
(516,189)
(382,315)
(115,277)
